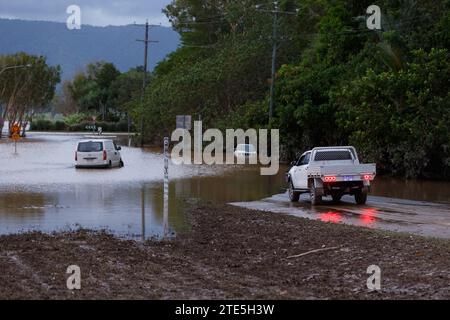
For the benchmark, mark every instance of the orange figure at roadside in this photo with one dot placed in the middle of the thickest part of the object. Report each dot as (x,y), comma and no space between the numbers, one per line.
(15,130)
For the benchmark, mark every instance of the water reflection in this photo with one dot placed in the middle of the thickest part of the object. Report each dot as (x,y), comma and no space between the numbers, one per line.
(368,216)
(245,184)
(34,208)
(132,210)
(332,217)
(423,190)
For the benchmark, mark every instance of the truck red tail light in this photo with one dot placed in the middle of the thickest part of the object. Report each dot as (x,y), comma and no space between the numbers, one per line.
(76,156)
(330,179)
(368,177)
(104,155)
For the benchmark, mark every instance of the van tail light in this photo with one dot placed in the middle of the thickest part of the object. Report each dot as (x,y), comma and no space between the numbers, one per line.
(76,156)
(368,177)
(330,179)
(104,155)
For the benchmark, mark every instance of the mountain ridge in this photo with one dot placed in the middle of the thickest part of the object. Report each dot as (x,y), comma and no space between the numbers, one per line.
(74,49)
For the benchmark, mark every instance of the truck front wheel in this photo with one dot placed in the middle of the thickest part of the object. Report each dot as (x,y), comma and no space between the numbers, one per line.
(361,198)
(293,195)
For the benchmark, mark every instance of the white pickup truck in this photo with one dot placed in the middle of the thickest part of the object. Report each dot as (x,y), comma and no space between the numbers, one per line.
(331,171)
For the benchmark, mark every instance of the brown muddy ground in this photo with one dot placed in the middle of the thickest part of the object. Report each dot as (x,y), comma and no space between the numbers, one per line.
(230,253)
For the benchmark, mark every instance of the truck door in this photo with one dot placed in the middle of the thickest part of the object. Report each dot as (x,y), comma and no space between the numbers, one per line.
(301,172)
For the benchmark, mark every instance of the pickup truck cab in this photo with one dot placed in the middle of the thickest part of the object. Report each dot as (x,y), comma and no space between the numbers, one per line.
(330,171)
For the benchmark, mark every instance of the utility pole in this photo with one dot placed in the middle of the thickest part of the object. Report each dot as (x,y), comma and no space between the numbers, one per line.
(146,41)
(276,12)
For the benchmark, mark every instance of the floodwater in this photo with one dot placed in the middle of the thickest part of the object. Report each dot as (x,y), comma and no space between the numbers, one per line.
(41,190)
(418,207)
(410,216)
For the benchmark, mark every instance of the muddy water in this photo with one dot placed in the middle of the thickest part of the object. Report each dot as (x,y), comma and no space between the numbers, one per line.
(41,190)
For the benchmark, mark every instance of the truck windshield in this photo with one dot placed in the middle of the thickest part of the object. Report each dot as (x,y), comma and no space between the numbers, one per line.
(90,146)
(335,155)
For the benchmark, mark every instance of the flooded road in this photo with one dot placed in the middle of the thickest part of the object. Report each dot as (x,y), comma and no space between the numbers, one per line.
(418,217)
(41,190)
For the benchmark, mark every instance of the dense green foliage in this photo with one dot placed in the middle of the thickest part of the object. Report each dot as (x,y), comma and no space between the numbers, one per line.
(223,66)
(385,92)
(402,119)
(92,89)
(337,83)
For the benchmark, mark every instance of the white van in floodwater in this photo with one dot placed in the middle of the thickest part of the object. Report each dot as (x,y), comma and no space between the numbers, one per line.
(98,153)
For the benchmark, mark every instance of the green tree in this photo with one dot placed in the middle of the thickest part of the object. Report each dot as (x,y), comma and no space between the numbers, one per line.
(91,89)
(25,90)
(400,119)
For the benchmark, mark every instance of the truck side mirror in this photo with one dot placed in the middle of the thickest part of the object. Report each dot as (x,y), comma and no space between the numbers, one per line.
(293,163)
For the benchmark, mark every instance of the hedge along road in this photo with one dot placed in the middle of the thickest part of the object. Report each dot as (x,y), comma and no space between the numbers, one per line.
(41,191)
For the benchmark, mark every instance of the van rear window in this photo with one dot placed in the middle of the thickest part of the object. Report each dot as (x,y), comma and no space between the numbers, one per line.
(333,155)
(90,146)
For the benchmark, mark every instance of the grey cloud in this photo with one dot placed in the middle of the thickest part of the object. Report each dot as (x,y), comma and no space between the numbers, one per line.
(93,12)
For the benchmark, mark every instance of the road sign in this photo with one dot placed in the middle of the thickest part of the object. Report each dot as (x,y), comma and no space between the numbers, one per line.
(15,129)
(15,137)
(184,122)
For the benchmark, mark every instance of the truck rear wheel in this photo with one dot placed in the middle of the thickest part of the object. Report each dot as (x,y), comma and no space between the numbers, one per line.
(293,195)
(361,198)
(315,198)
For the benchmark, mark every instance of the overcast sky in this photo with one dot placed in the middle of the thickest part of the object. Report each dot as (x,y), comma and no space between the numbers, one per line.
(93,12)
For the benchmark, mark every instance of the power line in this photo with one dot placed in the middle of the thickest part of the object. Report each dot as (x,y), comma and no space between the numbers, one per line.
(146,42)
(276,13)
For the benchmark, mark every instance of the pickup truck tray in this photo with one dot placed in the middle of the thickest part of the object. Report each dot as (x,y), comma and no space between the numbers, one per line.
(317,171)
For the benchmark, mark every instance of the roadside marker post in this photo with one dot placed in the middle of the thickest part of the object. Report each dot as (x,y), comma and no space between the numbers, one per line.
(166,187)
(143,211)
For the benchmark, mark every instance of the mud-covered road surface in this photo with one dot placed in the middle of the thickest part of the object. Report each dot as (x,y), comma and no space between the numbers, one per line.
(418,217)
(229,253)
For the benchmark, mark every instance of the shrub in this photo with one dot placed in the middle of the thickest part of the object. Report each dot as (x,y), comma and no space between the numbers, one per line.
(106,126)
(41,125)
(59,126)
(74,119)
